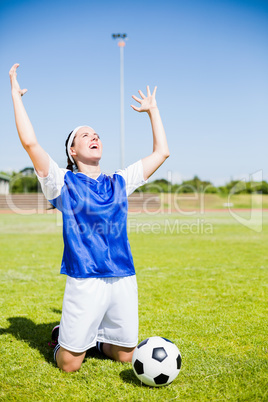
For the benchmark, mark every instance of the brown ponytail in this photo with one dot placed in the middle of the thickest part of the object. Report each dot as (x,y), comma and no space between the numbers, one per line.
(70,165)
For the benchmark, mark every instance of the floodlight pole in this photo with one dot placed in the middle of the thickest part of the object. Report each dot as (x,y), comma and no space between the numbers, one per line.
(121,43)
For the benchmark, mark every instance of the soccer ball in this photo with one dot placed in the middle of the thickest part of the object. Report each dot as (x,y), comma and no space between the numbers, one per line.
(156,361)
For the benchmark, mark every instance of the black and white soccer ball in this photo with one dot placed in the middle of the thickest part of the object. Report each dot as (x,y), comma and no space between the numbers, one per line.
(156,361)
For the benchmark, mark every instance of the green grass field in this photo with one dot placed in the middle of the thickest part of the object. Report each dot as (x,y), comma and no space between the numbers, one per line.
(204,289)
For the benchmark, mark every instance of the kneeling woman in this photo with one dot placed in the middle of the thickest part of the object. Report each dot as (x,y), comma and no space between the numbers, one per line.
(100,303)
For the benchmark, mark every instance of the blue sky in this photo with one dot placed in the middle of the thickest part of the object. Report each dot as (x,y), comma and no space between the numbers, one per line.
(209,60)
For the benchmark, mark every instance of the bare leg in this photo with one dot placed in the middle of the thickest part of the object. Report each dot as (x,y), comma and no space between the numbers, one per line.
(118,353)
(69,361)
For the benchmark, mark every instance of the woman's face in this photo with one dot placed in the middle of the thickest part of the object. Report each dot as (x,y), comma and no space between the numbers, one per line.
(87,146)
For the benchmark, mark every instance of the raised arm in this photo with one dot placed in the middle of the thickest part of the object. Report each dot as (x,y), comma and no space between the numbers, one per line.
(25,129)
(160,147)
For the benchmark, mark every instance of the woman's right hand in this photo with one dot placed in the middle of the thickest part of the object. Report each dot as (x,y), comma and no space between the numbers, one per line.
(15,88)
(25,129)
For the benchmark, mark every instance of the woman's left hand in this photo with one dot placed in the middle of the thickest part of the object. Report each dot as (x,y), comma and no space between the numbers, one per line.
(15,88)
(146,102)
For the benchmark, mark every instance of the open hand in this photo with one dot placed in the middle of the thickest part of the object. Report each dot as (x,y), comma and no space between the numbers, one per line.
(146,102)
(13,80)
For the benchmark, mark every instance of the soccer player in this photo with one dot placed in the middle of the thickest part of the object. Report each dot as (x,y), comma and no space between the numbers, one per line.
(100,303)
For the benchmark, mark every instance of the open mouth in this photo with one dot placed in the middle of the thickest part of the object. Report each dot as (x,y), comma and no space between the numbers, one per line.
(94,147)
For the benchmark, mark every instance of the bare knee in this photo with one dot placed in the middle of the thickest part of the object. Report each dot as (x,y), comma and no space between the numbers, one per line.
(125,357)
(118,353)
(69,367)
(69,361)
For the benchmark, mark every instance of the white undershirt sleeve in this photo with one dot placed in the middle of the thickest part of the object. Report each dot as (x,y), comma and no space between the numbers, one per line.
(133,176)
(52,184)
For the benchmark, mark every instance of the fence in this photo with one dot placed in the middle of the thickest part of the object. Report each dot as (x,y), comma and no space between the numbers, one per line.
(37,203)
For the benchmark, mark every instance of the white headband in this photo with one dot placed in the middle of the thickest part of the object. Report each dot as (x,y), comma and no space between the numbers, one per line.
(70,141)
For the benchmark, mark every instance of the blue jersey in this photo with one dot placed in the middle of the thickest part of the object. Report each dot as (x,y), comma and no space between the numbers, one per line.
(94,219)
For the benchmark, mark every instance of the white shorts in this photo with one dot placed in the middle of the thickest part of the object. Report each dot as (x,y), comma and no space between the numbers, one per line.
(99,309)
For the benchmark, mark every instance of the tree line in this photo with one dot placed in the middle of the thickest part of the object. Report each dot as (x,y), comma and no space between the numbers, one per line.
(201,186)
(26,181)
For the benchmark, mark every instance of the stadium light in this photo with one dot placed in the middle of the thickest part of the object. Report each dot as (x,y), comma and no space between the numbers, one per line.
(121,41)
